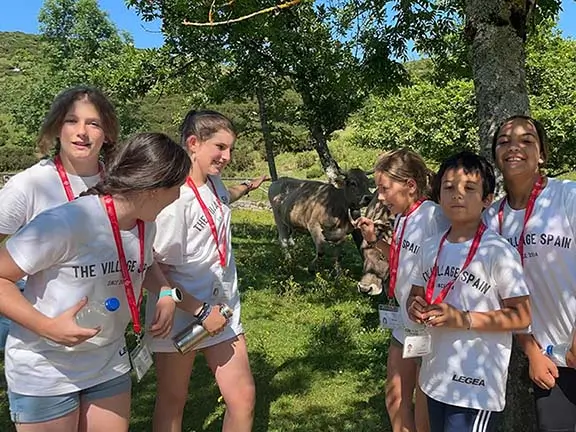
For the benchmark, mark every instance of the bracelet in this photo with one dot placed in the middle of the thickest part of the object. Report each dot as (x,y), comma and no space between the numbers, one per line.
(468,318)
(204,312)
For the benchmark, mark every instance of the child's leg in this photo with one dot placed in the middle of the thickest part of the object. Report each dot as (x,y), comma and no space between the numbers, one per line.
(421,408)
(173,372)
(106,407)
(400,382)
(556,408)
(229,363)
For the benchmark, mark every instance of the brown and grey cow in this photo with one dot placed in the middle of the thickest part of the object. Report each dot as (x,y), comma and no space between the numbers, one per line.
(375,265)
(320,208)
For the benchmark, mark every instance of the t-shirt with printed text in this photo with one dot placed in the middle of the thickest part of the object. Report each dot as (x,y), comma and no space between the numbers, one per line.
(69,252)
(469,368)
(426,221)
(549,258)
(185,243)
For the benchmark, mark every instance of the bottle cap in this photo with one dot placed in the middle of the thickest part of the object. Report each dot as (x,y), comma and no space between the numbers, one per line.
(549,350)
(112,304)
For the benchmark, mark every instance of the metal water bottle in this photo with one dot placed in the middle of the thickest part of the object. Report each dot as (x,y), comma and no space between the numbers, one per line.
(193,334)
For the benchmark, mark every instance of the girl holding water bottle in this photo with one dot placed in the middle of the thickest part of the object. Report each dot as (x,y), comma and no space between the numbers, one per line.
(194,247)
(61,376)
(538,217)
(402,181)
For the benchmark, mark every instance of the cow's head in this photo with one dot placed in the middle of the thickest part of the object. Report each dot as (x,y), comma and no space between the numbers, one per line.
(356,186)
(375,269)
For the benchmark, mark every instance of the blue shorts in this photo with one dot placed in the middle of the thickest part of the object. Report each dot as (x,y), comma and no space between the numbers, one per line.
(37,409)
(451,418)
(4,329)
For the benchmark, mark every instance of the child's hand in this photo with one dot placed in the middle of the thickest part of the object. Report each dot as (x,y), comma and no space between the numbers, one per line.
(366,227)
(417,307)
(445,315)
(215,322)
(542,370)
(163,317)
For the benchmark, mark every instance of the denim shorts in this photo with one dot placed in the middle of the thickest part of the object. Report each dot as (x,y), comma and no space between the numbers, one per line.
(37,409)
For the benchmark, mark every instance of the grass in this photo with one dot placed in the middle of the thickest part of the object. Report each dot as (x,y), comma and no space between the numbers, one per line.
(316,353)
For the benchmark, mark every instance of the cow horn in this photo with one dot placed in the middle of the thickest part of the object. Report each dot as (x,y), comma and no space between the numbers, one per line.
(350,218)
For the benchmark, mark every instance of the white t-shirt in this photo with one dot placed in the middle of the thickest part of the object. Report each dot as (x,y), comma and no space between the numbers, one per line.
(69,252)
(468,368)
(549,258)
(34,190)
(426,221)
(184,242)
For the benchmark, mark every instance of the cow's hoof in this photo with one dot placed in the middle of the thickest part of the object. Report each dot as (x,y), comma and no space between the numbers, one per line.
(371,289)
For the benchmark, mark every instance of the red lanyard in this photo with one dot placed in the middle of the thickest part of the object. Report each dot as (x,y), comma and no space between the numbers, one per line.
(64,177)
(128,286)
(396,247)
(538,187)
(221,246)
(432,281)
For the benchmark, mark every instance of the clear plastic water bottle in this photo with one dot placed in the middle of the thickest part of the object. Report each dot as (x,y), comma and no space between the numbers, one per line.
(95,314)
(557,353)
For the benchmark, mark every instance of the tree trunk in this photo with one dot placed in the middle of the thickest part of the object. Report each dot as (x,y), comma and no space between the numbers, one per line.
(329,165)
(496,31)
(268,145)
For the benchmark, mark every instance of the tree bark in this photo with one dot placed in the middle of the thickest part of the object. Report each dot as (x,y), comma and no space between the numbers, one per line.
(268,144)
(329,164)
(496,31)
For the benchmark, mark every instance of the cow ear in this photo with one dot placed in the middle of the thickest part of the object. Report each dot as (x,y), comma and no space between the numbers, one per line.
(339,181)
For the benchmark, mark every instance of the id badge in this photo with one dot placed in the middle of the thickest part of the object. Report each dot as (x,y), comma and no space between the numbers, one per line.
(221,291)
(142,359)
(417,343)
(389,316)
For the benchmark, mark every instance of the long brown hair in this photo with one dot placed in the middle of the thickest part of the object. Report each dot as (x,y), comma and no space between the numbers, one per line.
(146,161)
(52,125)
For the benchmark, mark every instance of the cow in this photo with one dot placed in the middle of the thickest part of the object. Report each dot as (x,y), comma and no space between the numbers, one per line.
(320,208)
(375,266)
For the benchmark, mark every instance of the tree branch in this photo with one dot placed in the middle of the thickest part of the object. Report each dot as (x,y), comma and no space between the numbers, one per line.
(242,18)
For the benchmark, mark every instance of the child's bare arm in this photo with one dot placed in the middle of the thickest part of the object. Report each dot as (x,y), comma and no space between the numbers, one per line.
(515,315)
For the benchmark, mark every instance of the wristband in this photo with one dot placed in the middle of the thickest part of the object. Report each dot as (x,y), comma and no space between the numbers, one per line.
(175,293)
(204,312)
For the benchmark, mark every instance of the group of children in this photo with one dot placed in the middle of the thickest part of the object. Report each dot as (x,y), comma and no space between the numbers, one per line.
(469,274)
(95,220)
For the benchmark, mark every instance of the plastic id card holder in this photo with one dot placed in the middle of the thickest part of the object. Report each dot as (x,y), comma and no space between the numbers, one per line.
(142,359)
(417,343)
(389,316)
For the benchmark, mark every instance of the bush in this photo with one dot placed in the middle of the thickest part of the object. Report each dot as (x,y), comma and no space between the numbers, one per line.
(305,160)
(16,158)
(314,173)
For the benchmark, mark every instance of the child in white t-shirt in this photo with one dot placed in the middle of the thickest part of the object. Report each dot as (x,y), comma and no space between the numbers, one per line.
(194,247)
(469,290)
(402,179)
(538,217)
(83,126)
(62,376)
